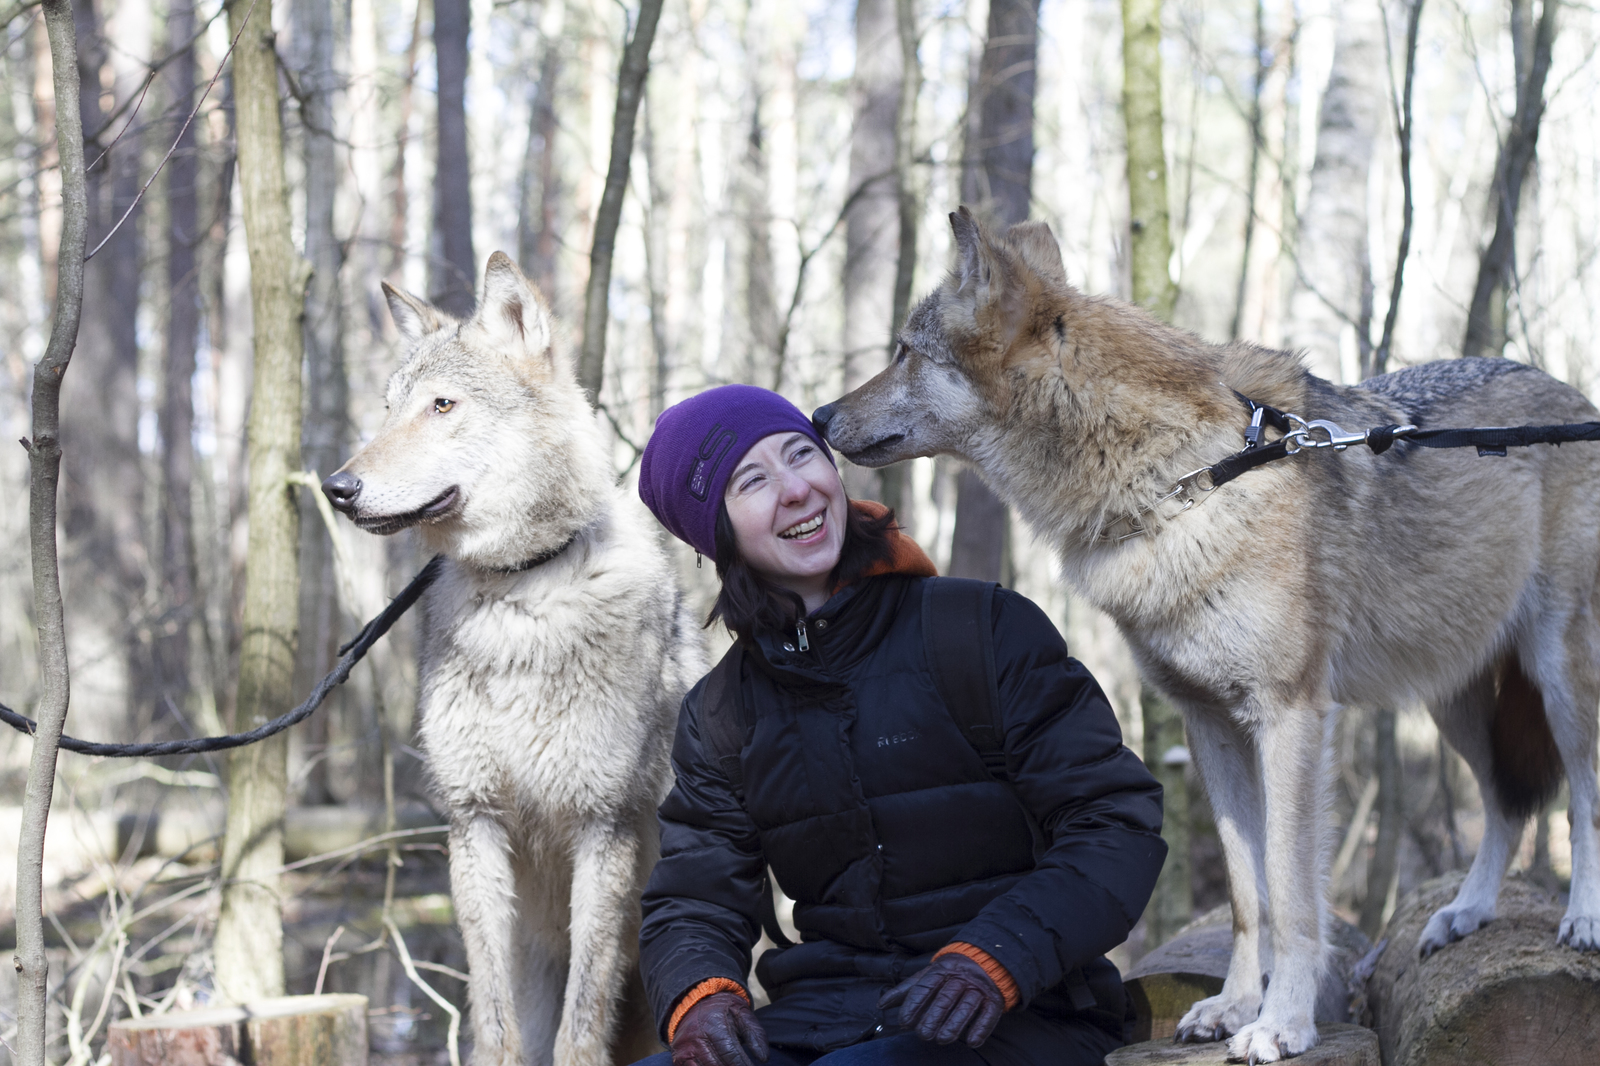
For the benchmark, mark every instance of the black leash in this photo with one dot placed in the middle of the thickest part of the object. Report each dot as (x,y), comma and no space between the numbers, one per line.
(350,654)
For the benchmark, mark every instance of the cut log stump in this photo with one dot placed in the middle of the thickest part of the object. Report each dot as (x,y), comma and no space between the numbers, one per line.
(1507,994)
(1342,1045)
(288,1031)
(1191,966)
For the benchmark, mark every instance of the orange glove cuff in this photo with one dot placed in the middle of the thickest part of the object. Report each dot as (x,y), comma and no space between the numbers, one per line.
(709,987)
(997,973)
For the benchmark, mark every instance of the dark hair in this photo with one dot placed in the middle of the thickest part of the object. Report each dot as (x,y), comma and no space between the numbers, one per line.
(749,603)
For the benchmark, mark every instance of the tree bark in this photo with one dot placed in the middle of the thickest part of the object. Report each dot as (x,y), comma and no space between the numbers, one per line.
(1486,316)
(249,938)
(1004,131)
(172,645)
(1332,294)
(871,237)
(596,301)
(324,428)
(44,454)
(452,265)
(896,480)
(1150,240)
(1172,905)
(1384,871)
(1507,993)
(536,222)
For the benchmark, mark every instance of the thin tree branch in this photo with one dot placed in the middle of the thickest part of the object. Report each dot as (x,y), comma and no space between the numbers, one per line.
(596,305)
(44,453)
(221,65)
(1403,125)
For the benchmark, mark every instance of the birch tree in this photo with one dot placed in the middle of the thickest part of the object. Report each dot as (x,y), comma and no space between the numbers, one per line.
(1149,252)
(1330,308)
(249,937)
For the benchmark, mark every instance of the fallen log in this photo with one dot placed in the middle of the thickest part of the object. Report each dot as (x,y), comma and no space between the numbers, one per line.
(1191,966)
(1342,1045)
(1507,993)
(326,1030)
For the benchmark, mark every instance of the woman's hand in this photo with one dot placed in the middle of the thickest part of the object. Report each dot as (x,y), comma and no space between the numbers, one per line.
(948,1000)
(717,1031)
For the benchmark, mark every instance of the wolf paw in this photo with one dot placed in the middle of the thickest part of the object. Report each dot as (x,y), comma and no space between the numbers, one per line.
(1580,931)
(1216,1019)
(1450,924)
(1267,1041)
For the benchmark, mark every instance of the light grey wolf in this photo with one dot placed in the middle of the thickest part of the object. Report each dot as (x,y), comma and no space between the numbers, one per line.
(556,651)
(1319,580)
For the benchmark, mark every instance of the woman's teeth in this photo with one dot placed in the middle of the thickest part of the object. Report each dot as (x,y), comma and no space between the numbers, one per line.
(802,528)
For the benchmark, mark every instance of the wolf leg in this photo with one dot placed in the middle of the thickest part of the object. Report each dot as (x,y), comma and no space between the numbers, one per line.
(1464,721)
(483,892)
(541,961)
(1226,758)
(1294,744)
(1571,712)
(605,919)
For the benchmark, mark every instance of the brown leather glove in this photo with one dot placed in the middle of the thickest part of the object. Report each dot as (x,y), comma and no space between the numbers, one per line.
(948,1000)
(717,1031)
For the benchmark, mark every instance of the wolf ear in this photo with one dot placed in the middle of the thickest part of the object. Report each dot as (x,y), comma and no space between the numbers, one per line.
(414,318)
(1039,250)
(973,266)
(511,313)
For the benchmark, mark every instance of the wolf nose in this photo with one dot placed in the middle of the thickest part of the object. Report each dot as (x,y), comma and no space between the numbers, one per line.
(342,489)
(823,415)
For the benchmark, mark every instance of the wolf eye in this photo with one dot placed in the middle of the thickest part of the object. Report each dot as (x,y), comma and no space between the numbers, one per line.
(442,405)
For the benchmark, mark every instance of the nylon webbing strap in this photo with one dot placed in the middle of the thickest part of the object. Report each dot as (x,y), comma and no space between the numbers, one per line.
(1490,440)
(1241,462)
(957,638)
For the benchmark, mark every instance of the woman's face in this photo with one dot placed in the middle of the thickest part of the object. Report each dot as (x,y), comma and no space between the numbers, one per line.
(787,507)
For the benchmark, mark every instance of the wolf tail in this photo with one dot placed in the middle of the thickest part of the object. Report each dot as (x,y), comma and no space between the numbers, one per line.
(1527,763)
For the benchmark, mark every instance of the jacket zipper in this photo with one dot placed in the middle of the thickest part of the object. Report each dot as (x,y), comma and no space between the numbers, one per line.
(800,631)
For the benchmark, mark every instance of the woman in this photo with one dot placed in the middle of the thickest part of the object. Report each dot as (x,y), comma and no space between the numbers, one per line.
(946,916)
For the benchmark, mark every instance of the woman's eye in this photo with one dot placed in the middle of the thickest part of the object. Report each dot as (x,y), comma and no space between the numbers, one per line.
(443,405)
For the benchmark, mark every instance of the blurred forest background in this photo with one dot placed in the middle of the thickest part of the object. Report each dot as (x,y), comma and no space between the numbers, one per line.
(791,169)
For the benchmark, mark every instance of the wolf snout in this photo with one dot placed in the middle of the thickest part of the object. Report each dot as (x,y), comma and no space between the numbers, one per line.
(342,488)
(823,415)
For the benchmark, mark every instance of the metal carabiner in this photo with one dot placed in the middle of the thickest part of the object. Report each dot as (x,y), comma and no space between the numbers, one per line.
(1338,437)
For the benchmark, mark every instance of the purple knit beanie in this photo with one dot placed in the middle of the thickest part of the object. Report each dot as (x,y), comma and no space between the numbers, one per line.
(696,445)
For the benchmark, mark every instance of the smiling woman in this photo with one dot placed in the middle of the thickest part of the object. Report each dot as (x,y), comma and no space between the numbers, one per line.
(943,903)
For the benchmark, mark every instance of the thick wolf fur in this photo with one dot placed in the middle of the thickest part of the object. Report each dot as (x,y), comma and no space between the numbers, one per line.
(547,695)
(1316,581)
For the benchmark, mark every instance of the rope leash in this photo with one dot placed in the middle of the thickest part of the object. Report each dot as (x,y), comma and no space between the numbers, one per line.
(349,655)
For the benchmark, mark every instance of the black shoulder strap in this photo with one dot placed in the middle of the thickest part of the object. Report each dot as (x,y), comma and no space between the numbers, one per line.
(723,719)
(958,635)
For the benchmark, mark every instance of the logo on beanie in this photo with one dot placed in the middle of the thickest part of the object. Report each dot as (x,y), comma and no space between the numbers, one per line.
(712,451)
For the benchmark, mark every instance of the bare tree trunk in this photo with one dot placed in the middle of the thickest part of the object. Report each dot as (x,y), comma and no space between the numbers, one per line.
(1150,241)
(1006,79)
(172,648)
(1378,360)
(1384,870)
(596,305)
(401,211)
(896,480)
(323,431)
(870,233)
(1150,250)
(1486,317)
(1332,295)
(249,938)
(44,452)
(452,265)
(536,224)
(102,474)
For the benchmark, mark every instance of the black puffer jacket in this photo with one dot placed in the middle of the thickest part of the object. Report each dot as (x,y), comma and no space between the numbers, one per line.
(880,820)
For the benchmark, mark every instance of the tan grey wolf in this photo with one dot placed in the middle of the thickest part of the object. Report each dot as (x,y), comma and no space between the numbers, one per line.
(1319,580)
(557,650)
